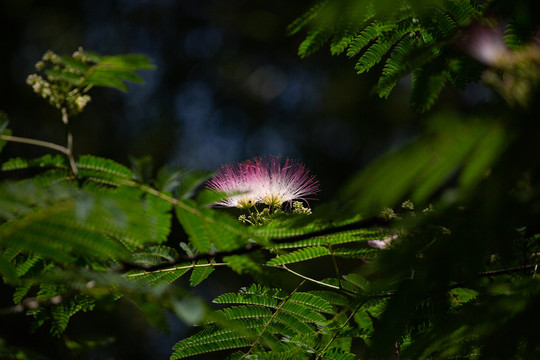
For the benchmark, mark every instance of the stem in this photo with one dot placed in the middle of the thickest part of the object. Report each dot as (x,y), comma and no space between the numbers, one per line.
(41,143)
(508,271)
(336,268)
(308,278)
(255,220)
(69,154)
(176,268)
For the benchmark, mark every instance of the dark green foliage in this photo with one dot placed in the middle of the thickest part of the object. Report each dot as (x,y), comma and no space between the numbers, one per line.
(519,33)
(56,161)
(208,228)
(450,273)
(86,68)
(200,272)
(266,318)
(313,42)
(407,39)
(449,148)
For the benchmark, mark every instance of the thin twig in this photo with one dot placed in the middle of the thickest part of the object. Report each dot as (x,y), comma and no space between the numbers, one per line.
(35,142)
(336,268)
(69,140)
(307,278)
(176,268)
(508,271)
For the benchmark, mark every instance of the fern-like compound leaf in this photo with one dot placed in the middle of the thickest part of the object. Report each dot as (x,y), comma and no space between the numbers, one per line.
(335,354)
(406,38)
(162,276)
(200,272)
(247,299)
(342,237)
(213,341)
(300,22)
(207,228)
(313,42)
(54,161)
(262,321)
(101,169)
(303,254)
(312,301)
(65,310)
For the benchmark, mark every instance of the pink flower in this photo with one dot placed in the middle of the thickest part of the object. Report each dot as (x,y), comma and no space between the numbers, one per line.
(283,181)
(266,180)
(236,180)
(487,45)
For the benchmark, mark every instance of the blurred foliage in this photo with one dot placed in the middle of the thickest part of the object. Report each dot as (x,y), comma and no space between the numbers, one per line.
(431,252)
(425,38)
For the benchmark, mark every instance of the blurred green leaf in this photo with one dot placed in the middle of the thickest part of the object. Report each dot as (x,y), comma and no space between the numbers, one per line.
(450,147)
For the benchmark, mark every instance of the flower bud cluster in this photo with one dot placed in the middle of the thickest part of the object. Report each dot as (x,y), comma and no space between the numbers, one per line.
(59,90)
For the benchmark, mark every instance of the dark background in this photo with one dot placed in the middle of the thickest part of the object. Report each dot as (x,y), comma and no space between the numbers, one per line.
(228,86)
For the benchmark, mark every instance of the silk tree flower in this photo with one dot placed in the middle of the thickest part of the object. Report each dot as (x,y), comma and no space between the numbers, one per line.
(283,181)
(236,181)
(268,180)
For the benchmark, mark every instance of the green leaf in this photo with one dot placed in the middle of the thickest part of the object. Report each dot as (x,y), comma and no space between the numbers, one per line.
(99,168)
(245,312)
(155,255)
(64,311)
(300,255)
(4,121)
(162,276)
(59,221)
(206,227)
(343,237)
(208,342)
(143,168)
(127,62)
(332,297)
(45,161)
(168,179)
(112,71)
(105,78)
(20,292)
(300,22)
(7,270)
(74,64)
(313,42)
(420,168)
(191,181)
(303,312)
(246,299)
(74,79)
(312,301)
(242,264)
(459,296)
(335,354)
(200,272)
(156,315)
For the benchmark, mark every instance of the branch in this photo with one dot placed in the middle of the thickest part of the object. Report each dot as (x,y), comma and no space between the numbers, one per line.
(498,272)
(508,271)
(308,278)
(44,144)
(69,141)
(174,268)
